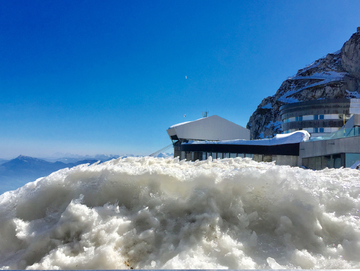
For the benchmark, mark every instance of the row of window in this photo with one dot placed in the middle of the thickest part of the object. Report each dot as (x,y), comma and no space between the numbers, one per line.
(215,155)
(222,155)
(331,161)
(317,117)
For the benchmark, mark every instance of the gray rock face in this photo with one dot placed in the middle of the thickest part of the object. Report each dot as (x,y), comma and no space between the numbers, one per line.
(335,76)
(350,55)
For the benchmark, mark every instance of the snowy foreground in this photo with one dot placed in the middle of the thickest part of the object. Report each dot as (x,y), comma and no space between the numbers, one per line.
(162,213)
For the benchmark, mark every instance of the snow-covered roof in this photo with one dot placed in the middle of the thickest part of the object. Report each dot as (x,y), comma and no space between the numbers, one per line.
(279,139)
(209,128)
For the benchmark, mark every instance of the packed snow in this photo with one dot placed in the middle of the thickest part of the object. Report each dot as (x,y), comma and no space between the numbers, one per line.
(322,77)
(353,94)
(155,213)
(267,106)
(275,124)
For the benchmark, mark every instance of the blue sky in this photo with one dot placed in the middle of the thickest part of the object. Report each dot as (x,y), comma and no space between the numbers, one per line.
(109,77)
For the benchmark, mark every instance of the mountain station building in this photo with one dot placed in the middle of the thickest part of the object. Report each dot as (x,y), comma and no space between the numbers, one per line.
(219,138)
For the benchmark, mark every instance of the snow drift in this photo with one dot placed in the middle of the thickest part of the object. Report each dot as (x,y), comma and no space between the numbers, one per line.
(164,213)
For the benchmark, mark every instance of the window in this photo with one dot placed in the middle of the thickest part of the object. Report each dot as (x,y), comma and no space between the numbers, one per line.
(204,156)
(321,117)
(351,158)
(308,117)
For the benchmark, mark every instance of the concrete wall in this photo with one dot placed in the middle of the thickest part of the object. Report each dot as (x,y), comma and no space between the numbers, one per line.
(355,106)
(289,160)
(332,146)
(280,160)
(353,121)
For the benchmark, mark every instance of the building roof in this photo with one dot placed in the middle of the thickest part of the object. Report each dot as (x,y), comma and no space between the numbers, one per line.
(209,128)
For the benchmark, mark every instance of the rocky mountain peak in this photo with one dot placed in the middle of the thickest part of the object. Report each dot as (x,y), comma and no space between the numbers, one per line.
(337,75)
(350,55)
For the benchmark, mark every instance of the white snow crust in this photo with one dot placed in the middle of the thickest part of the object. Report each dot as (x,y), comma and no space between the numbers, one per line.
(324,77)
(354,94)
(164,213)
(267,106)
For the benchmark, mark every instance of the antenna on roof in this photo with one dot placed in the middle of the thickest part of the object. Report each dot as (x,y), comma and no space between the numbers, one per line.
(204,114)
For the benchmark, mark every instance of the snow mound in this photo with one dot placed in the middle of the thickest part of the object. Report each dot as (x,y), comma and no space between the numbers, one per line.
(151,213)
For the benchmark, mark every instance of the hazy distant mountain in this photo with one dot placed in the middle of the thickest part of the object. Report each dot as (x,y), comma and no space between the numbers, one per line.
(165,155)
(3,161)
(76,158)
(23,169)
(335,76)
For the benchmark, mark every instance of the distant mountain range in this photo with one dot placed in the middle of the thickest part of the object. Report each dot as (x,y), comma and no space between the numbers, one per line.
(23,169)
(3,161)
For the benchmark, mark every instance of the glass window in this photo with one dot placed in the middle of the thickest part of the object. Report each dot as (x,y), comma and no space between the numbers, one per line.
(316,117)
(232,155)
(321,130)
(321,117)
(204,156)
(351,158)
(337,161)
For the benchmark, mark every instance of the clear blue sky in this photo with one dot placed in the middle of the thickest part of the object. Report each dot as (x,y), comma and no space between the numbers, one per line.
(109,77)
